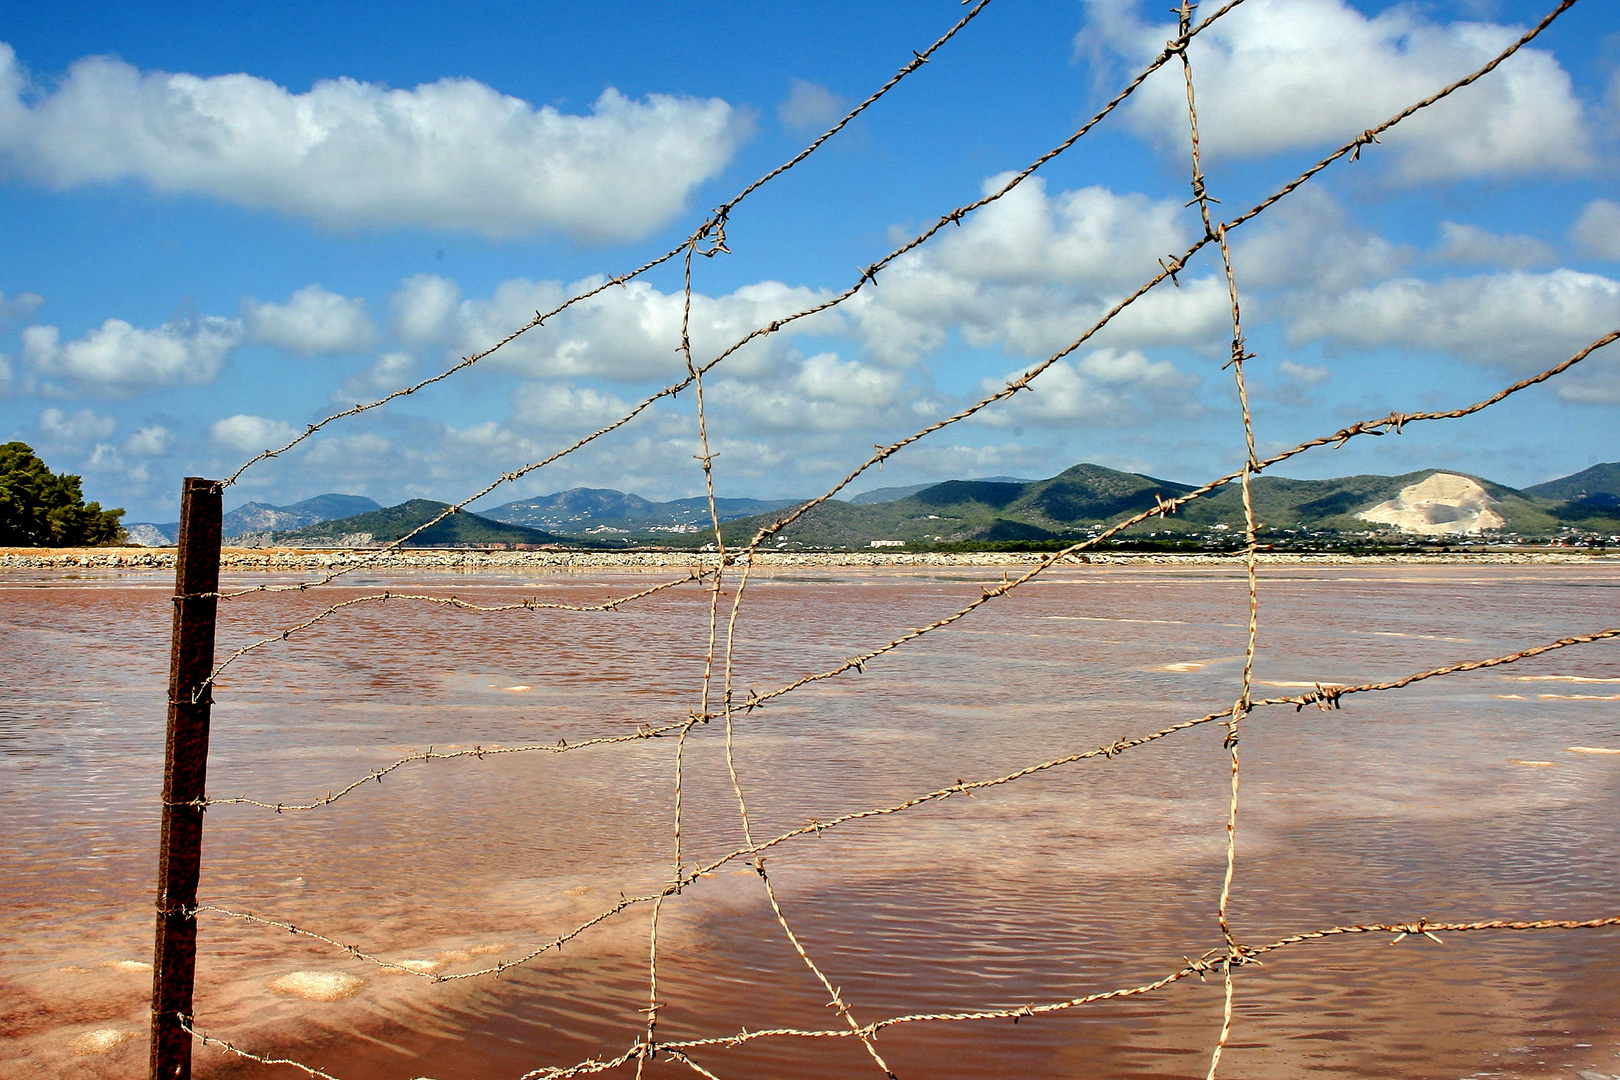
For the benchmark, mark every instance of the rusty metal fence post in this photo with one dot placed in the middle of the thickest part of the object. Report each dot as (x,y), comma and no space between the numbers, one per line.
(191,660)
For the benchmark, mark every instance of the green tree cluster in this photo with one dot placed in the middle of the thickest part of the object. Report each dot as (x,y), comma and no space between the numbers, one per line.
(39,508)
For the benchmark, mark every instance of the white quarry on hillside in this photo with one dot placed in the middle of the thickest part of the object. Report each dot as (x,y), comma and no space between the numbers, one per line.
(148,536)
(1442,503)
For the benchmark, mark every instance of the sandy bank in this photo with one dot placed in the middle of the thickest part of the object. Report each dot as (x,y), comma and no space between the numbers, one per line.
(274,559)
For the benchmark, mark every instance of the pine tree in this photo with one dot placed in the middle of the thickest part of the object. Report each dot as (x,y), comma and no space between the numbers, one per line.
(39,508)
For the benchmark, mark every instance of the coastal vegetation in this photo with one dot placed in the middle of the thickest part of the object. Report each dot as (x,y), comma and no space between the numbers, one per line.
(41,508)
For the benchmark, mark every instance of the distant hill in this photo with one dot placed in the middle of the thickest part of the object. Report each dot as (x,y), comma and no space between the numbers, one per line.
(462,529)
(959,511)
(1338,505)
(1600,481)
(592,511)
(255,517)
(889,494)
(262,517)
(1589,497)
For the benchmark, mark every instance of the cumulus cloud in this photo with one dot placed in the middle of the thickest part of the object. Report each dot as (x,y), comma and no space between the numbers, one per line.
(14,309)
(1304,374)
(809,105)
(1597,230)
(249,434)
(424,308)
(1279,74)
(1596,382)
(563,407)
(1520,321)
(1032,271)
(312,321)
(1290,385)
(452,154)
(626,334)
(1471,245)
(77,429)
(1307,242)
(117,358)
(1105,388)
(154,441)
(1090,236)
(391,372)
(825,393)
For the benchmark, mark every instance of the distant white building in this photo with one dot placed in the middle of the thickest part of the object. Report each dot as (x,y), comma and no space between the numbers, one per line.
(885,543)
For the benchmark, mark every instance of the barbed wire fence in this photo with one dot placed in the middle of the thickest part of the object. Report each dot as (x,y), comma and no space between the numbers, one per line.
(718,695)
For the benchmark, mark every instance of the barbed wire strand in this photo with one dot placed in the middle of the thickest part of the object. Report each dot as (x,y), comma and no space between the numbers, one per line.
(707,458)
(1251,543)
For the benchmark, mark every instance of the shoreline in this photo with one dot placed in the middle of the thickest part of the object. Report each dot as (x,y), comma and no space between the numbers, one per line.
(281,559)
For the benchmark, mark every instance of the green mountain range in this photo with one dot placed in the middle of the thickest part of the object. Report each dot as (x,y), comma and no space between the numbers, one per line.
(1076,503)
(1083,499)
(461,529)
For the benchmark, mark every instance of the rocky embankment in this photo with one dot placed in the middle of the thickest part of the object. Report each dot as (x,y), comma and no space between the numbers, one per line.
(289,559)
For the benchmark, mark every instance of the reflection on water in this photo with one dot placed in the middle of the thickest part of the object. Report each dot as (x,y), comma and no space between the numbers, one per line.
(1457,799)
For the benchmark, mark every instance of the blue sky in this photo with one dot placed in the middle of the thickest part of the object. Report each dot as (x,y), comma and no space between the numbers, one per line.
(222,223)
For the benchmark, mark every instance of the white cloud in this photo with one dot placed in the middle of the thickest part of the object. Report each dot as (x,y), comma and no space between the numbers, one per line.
(450,154)
(1471,245)
(1304,374)
(1597,230)
(249,434)
(809,105)
(391,372)
(1518,320)
(823,394)
(1032,271)
(560,407)
(154,441)
(1106,388)
(1291,385)
(367,456)
(1595,382)
(423,309)
(629,333)
(312,321)
(14,309)
(1306,242)
(78,429)
(1279,74)
(1089,236)
(935,461)
(119,358)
